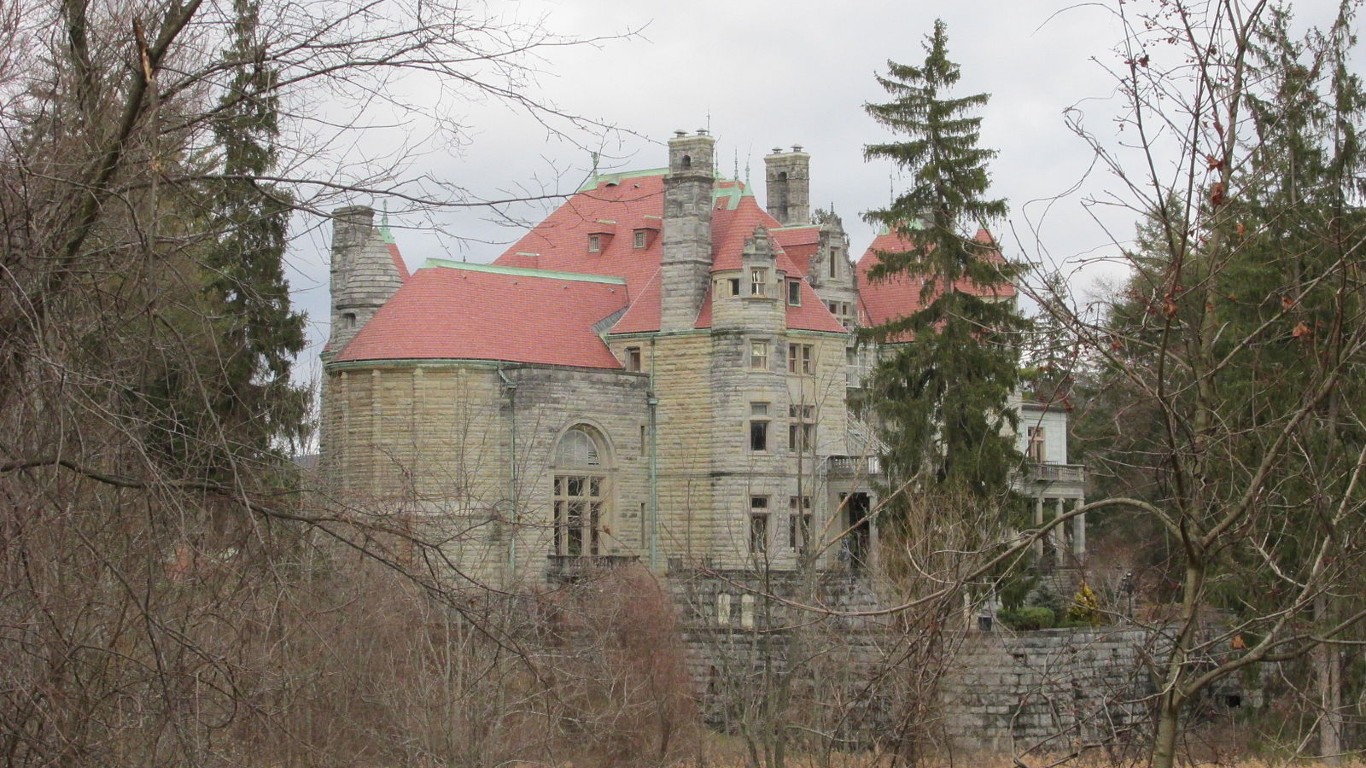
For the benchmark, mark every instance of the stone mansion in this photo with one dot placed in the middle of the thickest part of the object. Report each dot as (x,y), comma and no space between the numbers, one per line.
(658,371)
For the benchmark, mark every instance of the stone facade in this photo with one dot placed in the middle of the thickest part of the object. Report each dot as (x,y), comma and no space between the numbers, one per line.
(694,412)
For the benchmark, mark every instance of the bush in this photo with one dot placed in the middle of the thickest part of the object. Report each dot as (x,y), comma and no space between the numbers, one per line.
(1085,608)
(1028,618)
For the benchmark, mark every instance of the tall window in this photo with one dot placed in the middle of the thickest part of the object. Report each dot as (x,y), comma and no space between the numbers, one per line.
(798,523)
(580,494)
(758,524)
(794,292)
(594,243)
(801,427)
(633,358)
(758,282)
(758,354)
(834,260)
(1037,451)
(758,426)
(801,359)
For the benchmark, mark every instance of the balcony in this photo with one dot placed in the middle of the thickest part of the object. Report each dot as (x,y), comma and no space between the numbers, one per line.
(853,466)
(567,569)
(1072,474)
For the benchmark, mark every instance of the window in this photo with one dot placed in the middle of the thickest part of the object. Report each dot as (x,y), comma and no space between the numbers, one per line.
(801,428)
(642,238)
(758,525)
(834,260)
(349,320)
(834,307)
(794,292)
(594,243)
(798,523)
(735,286)
(1037,451)
(758,355)
(633,358)
(580,495)
(758,426)
(758,282)
(801,359)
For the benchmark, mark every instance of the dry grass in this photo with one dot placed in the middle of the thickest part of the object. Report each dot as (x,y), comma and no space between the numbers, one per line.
(725,752)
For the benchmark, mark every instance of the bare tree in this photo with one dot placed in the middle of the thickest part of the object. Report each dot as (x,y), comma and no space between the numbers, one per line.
(168,592)
(1222,372)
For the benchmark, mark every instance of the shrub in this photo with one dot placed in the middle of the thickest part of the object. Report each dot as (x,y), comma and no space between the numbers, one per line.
(1028,618)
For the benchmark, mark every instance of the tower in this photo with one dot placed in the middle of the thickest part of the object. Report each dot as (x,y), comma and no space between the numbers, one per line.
(364,274)
(787,186)
(686,263)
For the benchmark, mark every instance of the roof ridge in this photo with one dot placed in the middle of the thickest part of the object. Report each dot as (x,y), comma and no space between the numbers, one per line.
(523,272)
(598,179)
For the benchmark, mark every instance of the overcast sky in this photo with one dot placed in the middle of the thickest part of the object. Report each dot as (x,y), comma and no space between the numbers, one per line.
(773,73)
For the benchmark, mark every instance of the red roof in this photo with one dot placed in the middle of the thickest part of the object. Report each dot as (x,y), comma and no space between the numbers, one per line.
(899,296)
(398,262)
(454,311)
(635,201)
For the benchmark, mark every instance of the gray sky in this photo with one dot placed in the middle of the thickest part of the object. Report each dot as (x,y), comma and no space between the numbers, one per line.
(773,73)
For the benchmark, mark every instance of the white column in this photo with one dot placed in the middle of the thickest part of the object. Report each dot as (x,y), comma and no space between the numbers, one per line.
(1079,533)
(1038,523)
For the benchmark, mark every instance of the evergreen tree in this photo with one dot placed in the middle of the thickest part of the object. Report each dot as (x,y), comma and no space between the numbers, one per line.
(247,406)
(943,396)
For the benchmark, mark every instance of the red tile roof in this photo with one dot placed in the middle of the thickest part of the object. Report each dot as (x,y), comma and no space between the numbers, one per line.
(636,201)
(454,311)
(899,295)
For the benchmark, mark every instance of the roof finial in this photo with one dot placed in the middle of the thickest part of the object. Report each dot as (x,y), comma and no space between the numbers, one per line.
(384,224)
(595,164)
(736,173)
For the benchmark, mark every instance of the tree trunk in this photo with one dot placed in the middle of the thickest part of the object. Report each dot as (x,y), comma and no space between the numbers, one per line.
(1328,671)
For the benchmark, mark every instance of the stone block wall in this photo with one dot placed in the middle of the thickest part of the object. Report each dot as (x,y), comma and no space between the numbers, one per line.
(434,443)
(999,691)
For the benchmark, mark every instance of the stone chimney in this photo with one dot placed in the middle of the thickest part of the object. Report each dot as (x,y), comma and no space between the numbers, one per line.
(686,261)
(787,186)
(364,275)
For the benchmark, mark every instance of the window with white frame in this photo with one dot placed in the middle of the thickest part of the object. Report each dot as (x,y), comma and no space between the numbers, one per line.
(758,524)
(801,359)
(758,282)
(801,427)
(1037,450)
(758,426)
(580,496)
(758,354)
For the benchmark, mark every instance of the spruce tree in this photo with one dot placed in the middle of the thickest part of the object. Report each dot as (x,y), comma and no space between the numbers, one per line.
(943,392)
(249,219)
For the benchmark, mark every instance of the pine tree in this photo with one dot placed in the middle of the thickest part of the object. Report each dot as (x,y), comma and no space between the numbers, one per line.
(943,396)
(259,331)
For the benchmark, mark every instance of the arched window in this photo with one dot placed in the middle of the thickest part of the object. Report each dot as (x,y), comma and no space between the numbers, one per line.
(580,493)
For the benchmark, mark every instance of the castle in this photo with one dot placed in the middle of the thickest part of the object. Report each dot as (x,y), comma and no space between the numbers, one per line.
(658,371)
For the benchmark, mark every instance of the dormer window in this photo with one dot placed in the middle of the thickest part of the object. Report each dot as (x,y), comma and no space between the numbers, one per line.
(794,292)
(642,238)
(594,243)
(758,282)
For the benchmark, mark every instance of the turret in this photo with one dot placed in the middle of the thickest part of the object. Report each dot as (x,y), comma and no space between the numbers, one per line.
(686,261)
(364,275)
(787,186)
